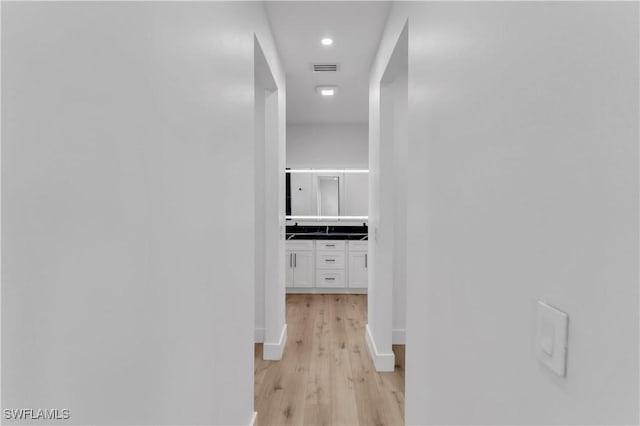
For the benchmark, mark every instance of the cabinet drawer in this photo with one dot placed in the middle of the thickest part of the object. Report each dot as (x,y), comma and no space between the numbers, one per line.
(358,245)
(329,245)
(329,260)
(329,278)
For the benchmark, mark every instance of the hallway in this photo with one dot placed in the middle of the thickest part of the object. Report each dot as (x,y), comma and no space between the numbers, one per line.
(412,212)
(326,375)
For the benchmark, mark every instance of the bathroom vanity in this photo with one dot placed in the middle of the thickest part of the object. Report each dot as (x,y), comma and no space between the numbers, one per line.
(326,266)
(326,233)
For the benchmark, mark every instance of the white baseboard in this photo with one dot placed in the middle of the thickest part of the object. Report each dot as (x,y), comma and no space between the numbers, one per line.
(398,336)
(252,421)
(273,351)
(313,290)
(259,335)
(382,361)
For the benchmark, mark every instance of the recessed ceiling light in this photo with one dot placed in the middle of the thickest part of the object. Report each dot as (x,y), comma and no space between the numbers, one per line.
(327,90)
(326,41)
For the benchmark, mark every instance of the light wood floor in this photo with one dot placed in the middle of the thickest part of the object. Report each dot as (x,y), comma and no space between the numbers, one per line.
(326,375)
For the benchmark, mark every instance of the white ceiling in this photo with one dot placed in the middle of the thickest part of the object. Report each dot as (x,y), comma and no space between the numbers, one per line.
(355,27)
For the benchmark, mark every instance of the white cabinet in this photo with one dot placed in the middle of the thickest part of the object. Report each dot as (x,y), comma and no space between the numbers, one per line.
(302,269)
(358,264)
(322,266)
(358,273)
(299,264)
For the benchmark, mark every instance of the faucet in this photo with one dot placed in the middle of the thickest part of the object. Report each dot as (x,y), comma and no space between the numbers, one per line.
(327,229)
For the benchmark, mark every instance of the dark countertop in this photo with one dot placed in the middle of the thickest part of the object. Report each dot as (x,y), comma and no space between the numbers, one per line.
(323,236)
(327,233)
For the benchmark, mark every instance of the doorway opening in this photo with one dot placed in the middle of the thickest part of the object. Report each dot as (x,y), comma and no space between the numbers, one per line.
(387,302)
(329,372)
(270,326)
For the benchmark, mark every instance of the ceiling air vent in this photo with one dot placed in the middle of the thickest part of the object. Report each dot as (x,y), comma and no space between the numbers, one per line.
(325,67)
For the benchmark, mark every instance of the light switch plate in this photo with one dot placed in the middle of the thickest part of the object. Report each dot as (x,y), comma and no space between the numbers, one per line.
(551,338)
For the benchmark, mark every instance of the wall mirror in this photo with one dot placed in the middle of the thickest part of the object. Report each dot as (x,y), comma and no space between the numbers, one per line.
(315,194)
(328,202)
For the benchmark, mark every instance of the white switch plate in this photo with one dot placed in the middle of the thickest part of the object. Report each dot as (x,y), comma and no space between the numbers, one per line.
(551,338)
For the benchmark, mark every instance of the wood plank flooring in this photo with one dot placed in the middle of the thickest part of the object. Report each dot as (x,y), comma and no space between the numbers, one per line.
(326,375)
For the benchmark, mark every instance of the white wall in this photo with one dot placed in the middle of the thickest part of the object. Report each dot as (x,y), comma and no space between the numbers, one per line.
(396,92)
(263,78)
(270,325)
(523,185)
(128,208)
(387,248)
(327,146)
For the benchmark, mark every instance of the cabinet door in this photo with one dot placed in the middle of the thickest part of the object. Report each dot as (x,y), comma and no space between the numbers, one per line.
(288,268)
(358,277)
(303,269)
